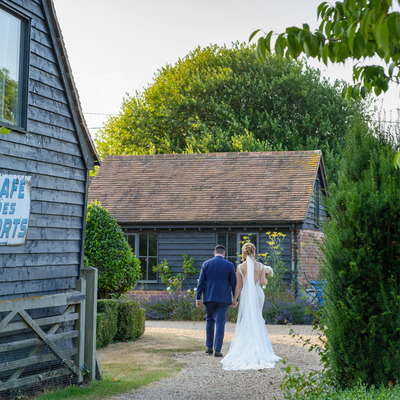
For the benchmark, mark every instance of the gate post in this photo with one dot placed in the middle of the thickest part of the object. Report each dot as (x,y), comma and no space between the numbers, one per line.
(90,275)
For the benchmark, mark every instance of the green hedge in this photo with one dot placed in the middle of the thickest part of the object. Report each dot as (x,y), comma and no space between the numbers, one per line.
(118,321)
(131,320)
(107,319)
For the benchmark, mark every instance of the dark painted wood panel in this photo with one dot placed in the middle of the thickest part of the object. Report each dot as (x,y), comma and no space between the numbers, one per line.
(41,37)
(46,142)
(66,210)
(35,233)
(56,132)
(43,51)
(35,273)
(47,104)
(24,288)
(57,196)
(41,246)
(54,183)
(55,221)
(33,260)
(41,115)
(28,167)
(45,77)
(44,90)
(44,65)
(30,6)
(38,154)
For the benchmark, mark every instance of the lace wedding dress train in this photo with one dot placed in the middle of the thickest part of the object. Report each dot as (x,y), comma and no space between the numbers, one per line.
(250,347)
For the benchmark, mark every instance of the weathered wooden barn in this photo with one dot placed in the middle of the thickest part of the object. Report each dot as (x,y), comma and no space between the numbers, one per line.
(45,156)
(169,205)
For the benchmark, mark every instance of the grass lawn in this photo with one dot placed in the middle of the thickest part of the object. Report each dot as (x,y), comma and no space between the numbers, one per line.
(128,366)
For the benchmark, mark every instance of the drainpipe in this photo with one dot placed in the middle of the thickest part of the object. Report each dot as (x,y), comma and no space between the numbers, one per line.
(294,260)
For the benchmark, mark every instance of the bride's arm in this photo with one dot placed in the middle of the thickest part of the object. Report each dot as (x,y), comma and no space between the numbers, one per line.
(239,284)
(263,278)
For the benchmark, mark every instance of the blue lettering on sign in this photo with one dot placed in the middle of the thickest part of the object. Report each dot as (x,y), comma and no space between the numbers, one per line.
(24,222)
(12,208)
(4,188)
(6,228)
(21,193)
(14,187)
(16,222)
(5,208)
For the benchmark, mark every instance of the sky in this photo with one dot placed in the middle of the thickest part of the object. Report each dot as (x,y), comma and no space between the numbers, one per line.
(116,47)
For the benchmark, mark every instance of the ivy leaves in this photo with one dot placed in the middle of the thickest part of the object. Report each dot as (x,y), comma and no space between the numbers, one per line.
(357,29)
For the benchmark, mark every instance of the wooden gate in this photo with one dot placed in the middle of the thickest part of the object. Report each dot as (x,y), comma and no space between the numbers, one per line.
(42,338)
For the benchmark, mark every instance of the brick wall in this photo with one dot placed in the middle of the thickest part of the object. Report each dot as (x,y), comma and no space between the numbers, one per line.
(309,254)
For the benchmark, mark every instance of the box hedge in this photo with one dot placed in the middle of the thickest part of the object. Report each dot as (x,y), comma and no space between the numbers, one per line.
(118,321)
(107,319)
(131,320)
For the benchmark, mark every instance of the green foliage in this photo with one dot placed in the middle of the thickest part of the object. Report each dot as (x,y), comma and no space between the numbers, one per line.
(355,29)
(9,98)
(131,320)
(174,282)
(219,99)
(362,268)
(349,29)
(107,250)
(273,258)
(107,322)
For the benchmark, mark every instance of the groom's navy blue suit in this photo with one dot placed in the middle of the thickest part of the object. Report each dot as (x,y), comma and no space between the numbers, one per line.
(217,283)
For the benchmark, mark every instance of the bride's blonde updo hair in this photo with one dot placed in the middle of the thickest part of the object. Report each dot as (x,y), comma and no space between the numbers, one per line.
(248,250)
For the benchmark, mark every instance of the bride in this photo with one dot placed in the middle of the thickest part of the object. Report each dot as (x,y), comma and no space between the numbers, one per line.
(250,347)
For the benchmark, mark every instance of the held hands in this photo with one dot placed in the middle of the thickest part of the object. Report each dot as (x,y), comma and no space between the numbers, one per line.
(234,303)
(198,303)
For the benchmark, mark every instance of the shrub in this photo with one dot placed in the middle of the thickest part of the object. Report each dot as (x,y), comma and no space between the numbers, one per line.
(107,319)
(362,268)
(131,320)
(360,392)
(107,250)
(284,308)
(178,306)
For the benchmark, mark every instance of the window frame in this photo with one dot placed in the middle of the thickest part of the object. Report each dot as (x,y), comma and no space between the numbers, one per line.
(238,244)
(23,74)
(138,255)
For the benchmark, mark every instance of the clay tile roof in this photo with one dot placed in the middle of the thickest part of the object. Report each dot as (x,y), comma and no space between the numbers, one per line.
(207,188)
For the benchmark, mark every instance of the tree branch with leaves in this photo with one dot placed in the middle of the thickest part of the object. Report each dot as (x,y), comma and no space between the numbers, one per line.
(351,29)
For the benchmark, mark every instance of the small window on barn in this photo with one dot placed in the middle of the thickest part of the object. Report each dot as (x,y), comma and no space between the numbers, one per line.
(233,243)
(13,75)
(148,256)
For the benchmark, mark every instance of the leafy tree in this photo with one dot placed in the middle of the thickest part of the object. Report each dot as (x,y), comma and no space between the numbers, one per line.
(107,250)
(349,29)
(362,267)
(220,99)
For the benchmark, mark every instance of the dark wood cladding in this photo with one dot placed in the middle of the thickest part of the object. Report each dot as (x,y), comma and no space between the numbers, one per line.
(57,152)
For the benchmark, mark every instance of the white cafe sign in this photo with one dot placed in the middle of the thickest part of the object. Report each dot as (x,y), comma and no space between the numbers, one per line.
(15,204)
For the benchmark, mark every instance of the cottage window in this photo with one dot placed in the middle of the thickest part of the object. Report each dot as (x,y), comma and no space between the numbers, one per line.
(145,247)
(12,82)
(233,243)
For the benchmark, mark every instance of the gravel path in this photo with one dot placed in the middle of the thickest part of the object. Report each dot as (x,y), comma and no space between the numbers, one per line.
(203,378)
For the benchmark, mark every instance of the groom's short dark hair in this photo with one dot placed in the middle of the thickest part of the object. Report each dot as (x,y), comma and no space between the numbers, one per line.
(219,249)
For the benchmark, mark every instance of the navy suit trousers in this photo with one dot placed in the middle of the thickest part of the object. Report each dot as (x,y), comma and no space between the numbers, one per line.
(216,318)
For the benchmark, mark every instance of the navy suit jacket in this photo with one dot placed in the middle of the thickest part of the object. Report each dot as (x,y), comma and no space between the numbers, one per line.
(217,281)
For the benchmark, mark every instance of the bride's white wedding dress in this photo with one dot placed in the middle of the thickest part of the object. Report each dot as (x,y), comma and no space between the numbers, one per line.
(250,347)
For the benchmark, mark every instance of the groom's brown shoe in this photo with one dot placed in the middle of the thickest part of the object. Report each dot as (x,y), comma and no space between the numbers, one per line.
(209,350)
(218,354)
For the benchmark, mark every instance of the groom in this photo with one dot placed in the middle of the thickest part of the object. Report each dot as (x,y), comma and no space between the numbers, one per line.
(217,282)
